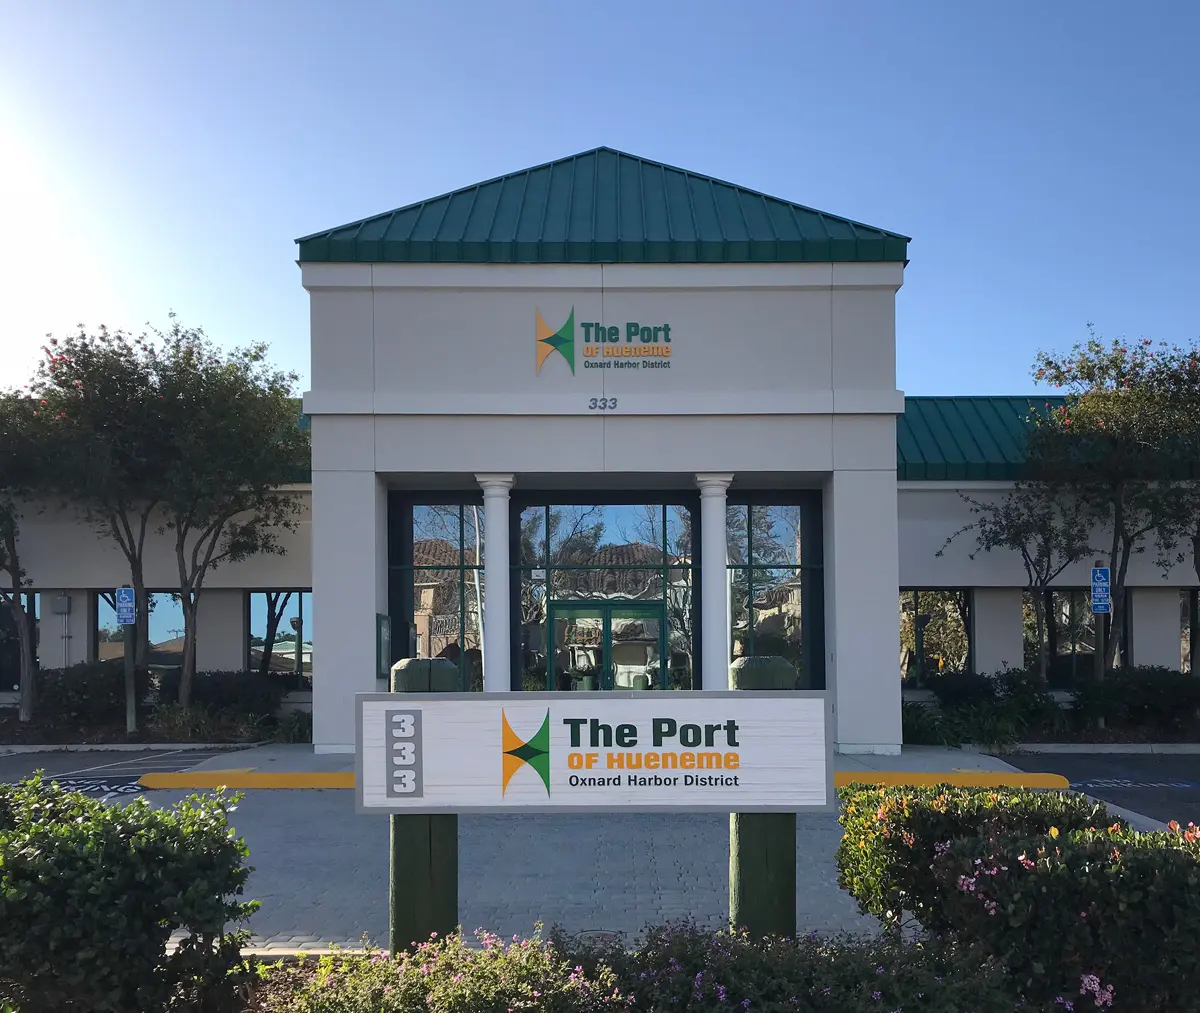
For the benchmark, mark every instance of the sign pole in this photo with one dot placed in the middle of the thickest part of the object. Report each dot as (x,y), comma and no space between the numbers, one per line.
(126,602)
(423,850)
(762,846)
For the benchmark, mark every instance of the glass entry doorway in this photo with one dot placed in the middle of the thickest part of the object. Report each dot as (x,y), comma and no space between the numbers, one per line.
(606,645)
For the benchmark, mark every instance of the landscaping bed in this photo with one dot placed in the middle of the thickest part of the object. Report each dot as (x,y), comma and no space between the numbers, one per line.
(85,705)
(1129,705)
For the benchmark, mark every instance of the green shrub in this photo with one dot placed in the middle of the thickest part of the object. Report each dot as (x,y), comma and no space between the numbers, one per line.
(891,836)
(89,694)
(922,725)
(1155,699)
(958,689)
(447,976)
(198,723)
(91,893)
(244,692)
(294,726)
(680,968)
(990,723)
(1083,912)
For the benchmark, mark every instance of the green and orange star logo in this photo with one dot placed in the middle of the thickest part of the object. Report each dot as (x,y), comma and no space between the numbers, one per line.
(517,754)
(561,341)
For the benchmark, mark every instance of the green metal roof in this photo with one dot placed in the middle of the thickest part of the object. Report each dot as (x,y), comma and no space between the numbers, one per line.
(964,438)
(603,207)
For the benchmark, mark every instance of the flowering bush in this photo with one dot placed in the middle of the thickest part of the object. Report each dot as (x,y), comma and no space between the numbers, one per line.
(893,834)
(1096,917)
(680,968)
(447,976)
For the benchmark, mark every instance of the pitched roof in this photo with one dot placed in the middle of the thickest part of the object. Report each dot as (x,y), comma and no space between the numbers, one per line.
(603,207)
(964,438)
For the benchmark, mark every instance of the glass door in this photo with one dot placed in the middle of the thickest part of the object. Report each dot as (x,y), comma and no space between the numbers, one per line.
(606,645)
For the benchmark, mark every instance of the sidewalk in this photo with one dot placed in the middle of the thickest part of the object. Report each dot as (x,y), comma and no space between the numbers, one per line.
(297,766)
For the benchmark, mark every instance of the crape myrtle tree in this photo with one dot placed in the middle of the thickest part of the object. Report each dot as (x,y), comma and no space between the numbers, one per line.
(27,435)
(1125,443)
(234,445)
(101,388)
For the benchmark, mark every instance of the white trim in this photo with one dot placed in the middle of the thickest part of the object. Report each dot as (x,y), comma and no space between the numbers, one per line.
(610,276)
(990,485)
(802,402)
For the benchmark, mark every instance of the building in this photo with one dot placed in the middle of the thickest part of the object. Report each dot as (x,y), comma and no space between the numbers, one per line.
(609,423)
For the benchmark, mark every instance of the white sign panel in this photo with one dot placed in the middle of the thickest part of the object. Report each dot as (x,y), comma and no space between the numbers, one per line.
(576,752)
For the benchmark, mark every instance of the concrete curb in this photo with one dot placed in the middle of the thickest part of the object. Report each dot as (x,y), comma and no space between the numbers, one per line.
(1140,823)
(1127,748)
(250,779)
(131,747)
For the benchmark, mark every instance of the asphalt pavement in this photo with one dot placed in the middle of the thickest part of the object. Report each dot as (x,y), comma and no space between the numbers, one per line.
(101,772)
(1164,787)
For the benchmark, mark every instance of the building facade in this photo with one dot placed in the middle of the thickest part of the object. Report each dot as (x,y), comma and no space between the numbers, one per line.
(607,424)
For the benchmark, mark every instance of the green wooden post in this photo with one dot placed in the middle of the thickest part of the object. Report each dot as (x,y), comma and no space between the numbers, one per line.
(762,846)
(423,857)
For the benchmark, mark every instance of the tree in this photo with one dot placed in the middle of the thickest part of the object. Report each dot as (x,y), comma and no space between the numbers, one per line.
(26,449)
(101,388)
(1123,443)
(1047,527)
(234,444)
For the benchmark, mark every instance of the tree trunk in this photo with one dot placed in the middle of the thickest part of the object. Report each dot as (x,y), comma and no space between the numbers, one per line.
(28,671)
(187,673)
(141,643)
(276,602)
(1039,623)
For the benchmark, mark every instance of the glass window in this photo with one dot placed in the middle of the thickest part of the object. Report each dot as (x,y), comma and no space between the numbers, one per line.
(10,650)
(1069,635)
(935,634)
(279,639)
(1189,629)
(618,573)
(776,594)
(447,585)
(110,638)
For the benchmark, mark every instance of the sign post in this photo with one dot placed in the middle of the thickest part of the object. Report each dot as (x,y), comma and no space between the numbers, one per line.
(1101,607)
(126,600)
(423,847)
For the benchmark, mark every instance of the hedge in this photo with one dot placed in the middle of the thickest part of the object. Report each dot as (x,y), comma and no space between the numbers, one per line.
(1111,914)
(891,836)
(91,893)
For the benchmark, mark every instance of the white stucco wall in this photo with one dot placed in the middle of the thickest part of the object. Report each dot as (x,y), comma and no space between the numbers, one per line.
(781,375)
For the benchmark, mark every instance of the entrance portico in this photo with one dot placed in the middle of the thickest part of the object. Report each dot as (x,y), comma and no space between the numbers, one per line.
(544,512)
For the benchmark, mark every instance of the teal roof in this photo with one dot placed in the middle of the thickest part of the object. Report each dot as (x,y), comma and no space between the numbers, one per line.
(603,207)
(964,438)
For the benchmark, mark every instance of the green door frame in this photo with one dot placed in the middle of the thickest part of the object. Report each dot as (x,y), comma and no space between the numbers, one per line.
(623,609)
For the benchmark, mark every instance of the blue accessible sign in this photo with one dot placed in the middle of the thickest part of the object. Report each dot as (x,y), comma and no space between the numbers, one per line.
(1101,586)
(125,600)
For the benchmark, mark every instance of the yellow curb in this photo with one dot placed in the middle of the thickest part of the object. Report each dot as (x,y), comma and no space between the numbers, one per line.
(239,779)
(960,779)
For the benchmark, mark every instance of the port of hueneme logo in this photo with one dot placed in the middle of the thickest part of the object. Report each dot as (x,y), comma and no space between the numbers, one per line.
(561,341)
(516,754)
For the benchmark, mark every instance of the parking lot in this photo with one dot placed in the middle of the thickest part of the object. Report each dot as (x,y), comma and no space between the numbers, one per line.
(100,772)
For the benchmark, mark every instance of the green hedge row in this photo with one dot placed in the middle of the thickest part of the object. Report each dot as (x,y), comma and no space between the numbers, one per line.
(1071,903)
(90,894)
(93,693)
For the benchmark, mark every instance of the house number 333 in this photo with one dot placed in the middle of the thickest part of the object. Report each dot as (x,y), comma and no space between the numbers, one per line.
(602,404)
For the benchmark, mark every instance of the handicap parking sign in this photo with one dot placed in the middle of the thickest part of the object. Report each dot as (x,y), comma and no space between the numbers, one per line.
(125,599)
(1101,590)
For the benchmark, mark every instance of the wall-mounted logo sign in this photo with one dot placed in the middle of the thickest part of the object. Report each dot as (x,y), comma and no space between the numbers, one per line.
(633,345)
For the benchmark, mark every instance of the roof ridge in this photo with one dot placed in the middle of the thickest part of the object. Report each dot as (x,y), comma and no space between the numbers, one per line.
(643,161)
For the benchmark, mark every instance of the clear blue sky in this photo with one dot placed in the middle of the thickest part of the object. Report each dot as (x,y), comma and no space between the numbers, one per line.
(1043,156)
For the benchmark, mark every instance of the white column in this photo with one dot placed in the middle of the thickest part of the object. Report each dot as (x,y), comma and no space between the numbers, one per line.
(1157,627)
(714,582)
(997,629)
(862,626)
(497,660)
(349,551)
